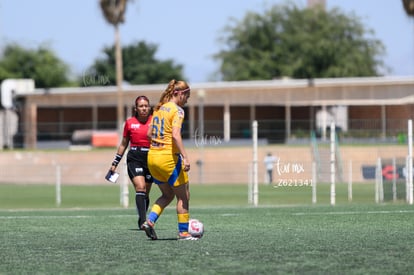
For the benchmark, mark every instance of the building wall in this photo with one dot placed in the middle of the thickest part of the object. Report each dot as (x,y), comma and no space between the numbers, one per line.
(221,164)
(59,123)
(283,107)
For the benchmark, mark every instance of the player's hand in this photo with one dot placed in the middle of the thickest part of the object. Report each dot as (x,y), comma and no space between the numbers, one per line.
(186,163)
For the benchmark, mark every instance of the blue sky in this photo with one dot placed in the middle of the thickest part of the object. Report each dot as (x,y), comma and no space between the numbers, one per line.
(184,30)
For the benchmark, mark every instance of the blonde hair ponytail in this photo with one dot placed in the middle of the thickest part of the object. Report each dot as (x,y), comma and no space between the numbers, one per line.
(173,86)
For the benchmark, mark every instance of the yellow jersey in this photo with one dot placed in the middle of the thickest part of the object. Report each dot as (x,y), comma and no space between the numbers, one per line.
(163,120)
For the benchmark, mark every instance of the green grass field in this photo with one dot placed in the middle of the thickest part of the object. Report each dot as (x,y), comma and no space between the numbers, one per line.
(44,196)
(91,234)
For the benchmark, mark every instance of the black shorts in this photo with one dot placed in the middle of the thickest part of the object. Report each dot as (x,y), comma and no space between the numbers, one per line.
(137,165)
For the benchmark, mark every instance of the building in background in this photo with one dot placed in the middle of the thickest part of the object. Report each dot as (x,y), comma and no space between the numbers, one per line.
(371,107)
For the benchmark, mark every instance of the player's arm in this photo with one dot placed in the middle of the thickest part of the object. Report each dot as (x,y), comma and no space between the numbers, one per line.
(119,153)
(149,132)
(112,176)
(178,141)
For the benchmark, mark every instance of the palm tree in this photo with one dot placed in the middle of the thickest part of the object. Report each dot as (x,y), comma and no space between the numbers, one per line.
(113,11)
(409,7)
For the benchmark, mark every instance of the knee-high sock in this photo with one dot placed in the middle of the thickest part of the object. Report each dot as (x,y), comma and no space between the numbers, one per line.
(183,222)
(147,200)
(140,202)
(155,213)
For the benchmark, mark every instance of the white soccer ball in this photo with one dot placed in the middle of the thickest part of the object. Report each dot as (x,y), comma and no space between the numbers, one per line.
(195,228)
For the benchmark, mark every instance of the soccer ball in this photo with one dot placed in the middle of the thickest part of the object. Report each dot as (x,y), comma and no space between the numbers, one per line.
(195,228)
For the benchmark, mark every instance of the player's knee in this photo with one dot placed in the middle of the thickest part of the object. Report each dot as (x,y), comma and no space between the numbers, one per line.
(168,197)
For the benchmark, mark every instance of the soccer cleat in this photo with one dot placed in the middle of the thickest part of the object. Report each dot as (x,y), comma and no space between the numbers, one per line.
(185,236)
(148,227)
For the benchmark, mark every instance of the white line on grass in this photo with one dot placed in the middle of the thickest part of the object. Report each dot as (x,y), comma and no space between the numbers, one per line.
(82,216)
(61,217)
(229,214)
(352,212)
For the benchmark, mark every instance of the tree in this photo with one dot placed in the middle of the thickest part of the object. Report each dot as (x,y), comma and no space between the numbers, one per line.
(287,41)
(41,65)
(139,65)
(408,7)
(113,11)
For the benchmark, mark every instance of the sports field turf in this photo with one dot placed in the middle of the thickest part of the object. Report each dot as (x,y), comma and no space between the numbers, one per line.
(91,234)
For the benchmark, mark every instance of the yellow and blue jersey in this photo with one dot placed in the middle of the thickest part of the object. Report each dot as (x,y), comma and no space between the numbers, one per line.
(168,116)
(164,160)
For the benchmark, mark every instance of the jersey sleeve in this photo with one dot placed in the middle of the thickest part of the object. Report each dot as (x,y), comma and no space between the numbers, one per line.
(178,118)
(126,129)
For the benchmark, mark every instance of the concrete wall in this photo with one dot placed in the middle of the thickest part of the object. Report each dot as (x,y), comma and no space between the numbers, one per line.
(221,164)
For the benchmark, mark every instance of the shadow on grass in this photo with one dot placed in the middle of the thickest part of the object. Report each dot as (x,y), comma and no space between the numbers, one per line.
(159,239)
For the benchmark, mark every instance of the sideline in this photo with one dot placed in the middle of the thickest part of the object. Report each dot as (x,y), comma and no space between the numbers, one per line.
(352,212)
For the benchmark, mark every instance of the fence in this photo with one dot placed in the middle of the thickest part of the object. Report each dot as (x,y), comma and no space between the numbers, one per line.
(216,161)
(220,164)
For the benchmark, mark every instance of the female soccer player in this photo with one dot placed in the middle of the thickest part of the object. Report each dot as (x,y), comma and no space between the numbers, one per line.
(135,135)
(167,159)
